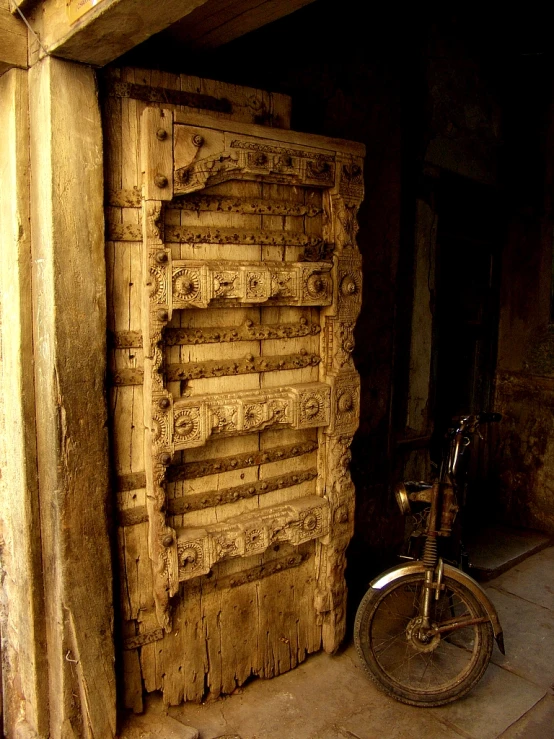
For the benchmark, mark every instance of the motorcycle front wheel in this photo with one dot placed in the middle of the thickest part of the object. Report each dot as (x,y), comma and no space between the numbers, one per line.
(432,671)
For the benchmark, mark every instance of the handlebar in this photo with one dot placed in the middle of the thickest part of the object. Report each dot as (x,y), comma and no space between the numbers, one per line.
(470,424)
(459,438)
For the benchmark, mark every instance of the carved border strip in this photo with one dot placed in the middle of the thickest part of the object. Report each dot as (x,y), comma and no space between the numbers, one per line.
(337,369)
(295,522)
(246,206)
(240,366)
(214,235)
(218,204)
(281,150)
(157,166)
(193,470)
(248,331)
(211,498)
(274,567)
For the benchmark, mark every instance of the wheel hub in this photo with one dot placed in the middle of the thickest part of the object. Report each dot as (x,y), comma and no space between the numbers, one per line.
(421,639)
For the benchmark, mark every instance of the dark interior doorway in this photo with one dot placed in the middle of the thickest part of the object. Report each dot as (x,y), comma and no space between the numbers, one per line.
(465,326)
(469,238)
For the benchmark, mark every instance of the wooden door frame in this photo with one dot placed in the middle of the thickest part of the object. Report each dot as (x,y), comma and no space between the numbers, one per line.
(60,675)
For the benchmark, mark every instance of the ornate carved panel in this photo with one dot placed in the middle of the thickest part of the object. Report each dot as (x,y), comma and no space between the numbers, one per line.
(197,284)
(235,284)
(296,522)
(248,158)
(180,284)
(187,423)
(174,285)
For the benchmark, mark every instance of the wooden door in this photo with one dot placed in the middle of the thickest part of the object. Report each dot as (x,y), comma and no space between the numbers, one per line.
(234,286)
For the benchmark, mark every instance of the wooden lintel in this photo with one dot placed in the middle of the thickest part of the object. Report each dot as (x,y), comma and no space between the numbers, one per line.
(219,21)
(13,40)
(98,31)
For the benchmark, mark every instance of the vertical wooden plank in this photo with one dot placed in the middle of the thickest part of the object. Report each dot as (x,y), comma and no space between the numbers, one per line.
(24,654)
(239,634)
(69,307)
(195,657)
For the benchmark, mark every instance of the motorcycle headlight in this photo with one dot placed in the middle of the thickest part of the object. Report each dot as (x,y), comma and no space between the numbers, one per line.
(401,495)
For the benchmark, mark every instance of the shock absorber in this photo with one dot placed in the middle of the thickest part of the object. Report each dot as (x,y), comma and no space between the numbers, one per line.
(430,553)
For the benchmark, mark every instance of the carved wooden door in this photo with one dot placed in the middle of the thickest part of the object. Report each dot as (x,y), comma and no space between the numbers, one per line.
(234,285)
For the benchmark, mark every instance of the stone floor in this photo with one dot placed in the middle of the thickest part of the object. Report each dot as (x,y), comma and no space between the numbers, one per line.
(329,697)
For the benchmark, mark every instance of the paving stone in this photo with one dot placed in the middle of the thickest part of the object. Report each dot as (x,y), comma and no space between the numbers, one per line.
(529,638)
(498,700)
(538,723)
(156,726)
(531,579)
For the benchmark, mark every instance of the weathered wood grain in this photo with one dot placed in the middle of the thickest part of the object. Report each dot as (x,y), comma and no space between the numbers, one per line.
(108,28)
(248,104)
(220,21)
(69,312)
(13,41)
(25,666)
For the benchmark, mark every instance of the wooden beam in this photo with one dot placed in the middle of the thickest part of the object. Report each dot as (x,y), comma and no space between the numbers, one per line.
(69,321)
(219,21)
(13,40)
(98,31)
(23,632)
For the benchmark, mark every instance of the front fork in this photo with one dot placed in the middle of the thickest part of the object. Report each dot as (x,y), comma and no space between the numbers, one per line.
(430,560)
(434,571)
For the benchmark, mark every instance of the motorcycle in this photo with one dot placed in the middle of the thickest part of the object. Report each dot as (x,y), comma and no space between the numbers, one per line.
(425,629)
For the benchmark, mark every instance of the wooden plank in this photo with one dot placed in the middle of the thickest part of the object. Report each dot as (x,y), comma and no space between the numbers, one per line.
(13,41)
(247,104)
(23,651)
(108,29)
(69,312)
(220,21)
(250,105)
(310,142)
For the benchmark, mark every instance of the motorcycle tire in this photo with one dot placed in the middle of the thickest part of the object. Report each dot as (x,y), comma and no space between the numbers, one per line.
(387,640)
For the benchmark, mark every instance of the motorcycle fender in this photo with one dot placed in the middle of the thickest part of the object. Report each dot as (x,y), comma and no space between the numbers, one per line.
(417,567)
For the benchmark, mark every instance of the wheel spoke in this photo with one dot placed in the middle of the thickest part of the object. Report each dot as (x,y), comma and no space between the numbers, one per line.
(424,672)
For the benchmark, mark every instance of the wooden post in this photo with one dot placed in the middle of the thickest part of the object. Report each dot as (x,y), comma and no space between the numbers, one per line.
(24,653)
(69,314)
